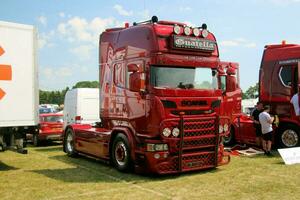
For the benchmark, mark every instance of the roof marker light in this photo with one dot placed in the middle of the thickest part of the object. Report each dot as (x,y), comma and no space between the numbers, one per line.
(204,33)
(187,30)
(177,29)
(196,32)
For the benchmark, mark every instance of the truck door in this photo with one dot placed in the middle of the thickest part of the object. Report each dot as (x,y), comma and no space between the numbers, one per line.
(134,103)
(283,86)
(229,83)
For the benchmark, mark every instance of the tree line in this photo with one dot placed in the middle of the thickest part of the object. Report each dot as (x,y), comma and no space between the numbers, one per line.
(57,97)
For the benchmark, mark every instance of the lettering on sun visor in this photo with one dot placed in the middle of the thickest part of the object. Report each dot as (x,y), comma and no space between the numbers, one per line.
(182,42)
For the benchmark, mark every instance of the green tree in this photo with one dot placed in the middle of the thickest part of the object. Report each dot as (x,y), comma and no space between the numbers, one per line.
(251,92)
(86,84)
(58,97)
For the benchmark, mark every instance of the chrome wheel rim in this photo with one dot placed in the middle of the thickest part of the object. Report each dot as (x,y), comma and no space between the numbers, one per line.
(121,153)
(289,138)
(227,138)
(70,142)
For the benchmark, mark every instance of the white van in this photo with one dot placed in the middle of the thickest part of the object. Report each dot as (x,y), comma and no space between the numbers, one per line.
(248,105)
(81,104)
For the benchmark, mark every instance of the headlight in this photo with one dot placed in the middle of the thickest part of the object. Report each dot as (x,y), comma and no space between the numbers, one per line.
(225,127)
(196,32)
(187,30)
(166,132)
(175,132)
(176,29)
(221,128)
(204,33)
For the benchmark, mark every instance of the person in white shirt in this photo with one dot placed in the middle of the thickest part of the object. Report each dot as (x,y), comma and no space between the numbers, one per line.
(295,102)
(266,128)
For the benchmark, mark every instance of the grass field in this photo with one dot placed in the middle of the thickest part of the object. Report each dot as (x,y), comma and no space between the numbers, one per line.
(47,173)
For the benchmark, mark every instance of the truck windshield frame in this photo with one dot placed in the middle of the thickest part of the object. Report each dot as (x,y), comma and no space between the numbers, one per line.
(173,77)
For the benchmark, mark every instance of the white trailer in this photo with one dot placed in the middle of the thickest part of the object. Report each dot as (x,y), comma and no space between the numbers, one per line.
(81,104)
(19,90)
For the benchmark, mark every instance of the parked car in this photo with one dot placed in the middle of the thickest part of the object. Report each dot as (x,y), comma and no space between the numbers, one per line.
(43,110)
(51,127)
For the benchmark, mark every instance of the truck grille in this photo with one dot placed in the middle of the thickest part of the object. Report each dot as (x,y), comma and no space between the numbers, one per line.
(199,145)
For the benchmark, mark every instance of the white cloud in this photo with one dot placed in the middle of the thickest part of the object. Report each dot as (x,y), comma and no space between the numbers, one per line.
(62,14)
(44,39)
(122,11)
(189,23)
(229,43)
(185,9)
(145,14)
(50,73)
(238,42)
(251,45)
(83,52)
(42,20)
(80,30)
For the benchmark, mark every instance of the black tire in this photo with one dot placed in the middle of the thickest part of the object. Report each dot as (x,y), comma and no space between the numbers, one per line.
(289,136)
(69,143)
(120,153)
(229,139)
(35,140)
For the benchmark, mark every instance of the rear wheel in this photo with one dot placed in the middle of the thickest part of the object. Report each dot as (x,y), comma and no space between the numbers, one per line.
(35,140)
(289,136)
(69,143)
(120,153)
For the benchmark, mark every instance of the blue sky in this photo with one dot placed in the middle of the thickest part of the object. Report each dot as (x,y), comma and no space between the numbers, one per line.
(69,29)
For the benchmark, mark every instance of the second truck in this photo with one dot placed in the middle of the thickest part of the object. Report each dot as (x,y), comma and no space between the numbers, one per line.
(161,98)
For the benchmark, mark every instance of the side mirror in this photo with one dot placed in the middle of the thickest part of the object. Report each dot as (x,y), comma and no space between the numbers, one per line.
(137,82)
(133,68)
(230,83)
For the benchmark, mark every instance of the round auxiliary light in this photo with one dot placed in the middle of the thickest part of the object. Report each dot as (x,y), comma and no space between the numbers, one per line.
(196,32)
(204,33)
(225,127)
(221,128)
(175,132)
(166,132)
(177,29)
(187,30)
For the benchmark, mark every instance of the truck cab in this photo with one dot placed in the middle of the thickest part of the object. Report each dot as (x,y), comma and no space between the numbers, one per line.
(160,100)
(279,78)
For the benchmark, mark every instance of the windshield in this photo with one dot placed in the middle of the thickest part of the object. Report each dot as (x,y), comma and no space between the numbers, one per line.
(184,77)
(45,110)
(53,119)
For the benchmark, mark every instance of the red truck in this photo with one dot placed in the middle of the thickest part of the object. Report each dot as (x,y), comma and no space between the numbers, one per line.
(279,78)
(160,100)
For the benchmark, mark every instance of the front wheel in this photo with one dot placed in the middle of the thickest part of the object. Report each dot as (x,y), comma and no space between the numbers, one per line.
(289,136)
(69,143)
(121,153)
(229,139)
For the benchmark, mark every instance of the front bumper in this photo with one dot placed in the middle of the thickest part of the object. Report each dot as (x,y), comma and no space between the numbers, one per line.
(50,136)
(198,147)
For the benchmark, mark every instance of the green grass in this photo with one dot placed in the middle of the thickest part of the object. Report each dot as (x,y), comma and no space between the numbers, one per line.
(47,173)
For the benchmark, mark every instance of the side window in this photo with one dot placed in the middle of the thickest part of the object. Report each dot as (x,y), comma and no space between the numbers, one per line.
(127,77)
(119,76)
(223,83)
(285,75)
(140,64)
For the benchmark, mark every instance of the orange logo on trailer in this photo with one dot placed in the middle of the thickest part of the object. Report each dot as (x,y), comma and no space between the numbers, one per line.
(5,73)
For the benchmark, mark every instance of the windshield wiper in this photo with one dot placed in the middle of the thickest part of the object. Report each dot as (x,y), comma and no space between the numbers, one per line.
(185,86)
